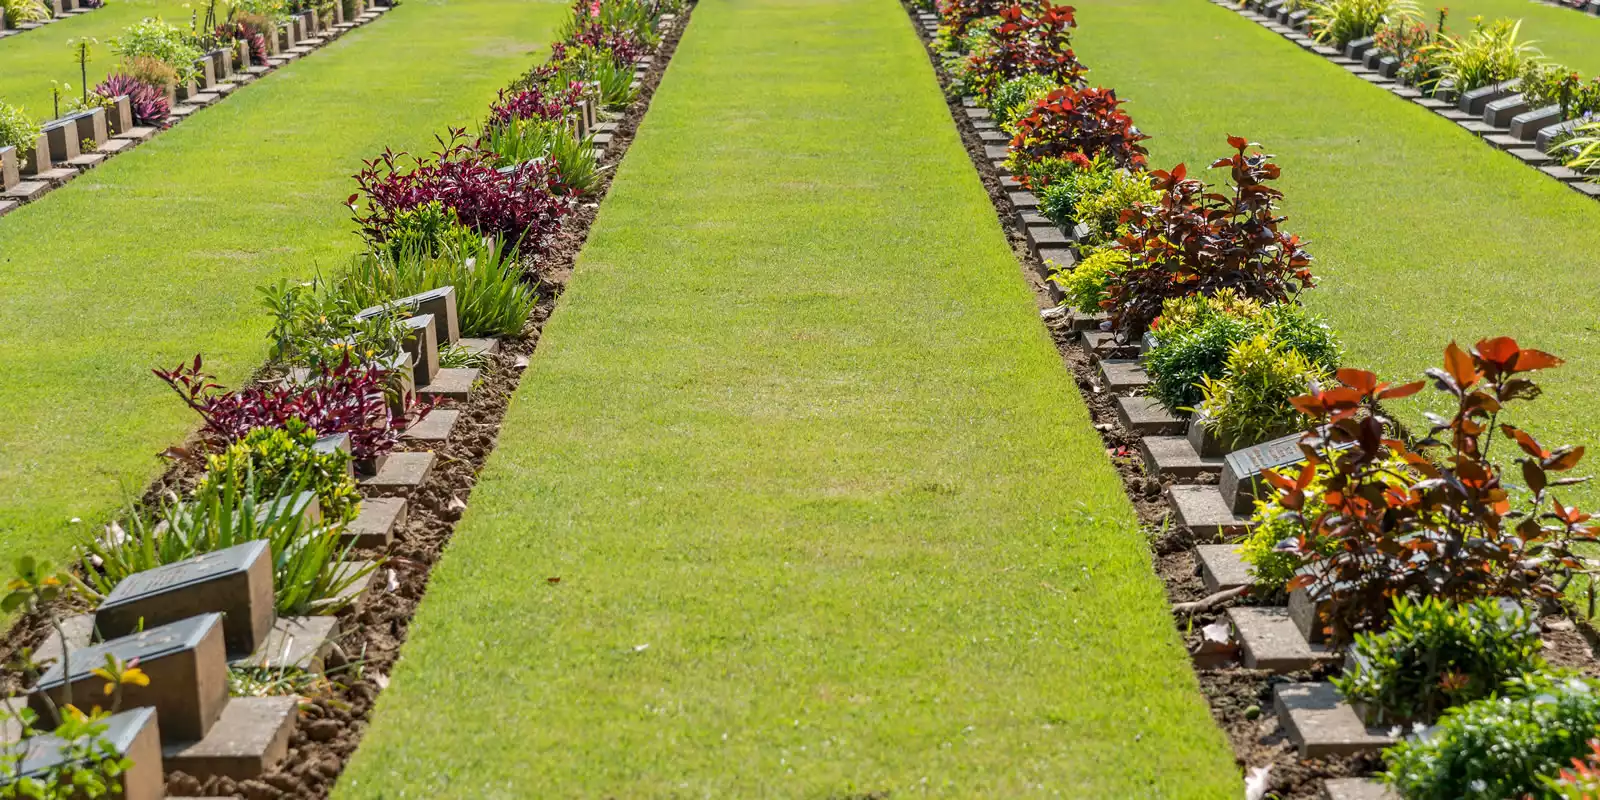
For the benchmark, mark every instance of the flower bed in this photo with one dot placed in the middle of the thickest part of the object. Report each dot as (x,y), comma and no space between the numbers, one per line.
(412,393)
(20,16)
(166,74)
(1203,282)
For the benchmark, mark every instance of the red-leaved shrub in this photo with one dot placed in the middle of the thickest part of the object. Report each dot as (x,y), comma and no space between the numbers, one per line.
(520,205)
(534,103)
(1198,241)
(1036,39)
(1078,125)
(342,399)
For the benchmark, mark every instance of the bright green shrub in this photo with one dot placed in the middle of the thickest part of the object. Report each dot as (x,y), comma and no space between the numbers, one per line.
(1101,212)
(1437,654)
(287,457)
(1059,199)
(1249,403)
(17,129)
(1500,747)
(1271,567)
(17,12)
(1015,97)
(1196,335)
(1085,285)
(153,38)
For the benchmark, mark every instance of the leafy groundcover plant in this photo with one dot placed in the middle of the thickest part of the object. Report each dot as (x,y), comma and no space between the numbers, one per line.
(1197,335)
(1489,53)
(1458,533)
(1199,241)
(1501,747)
(287,457)
(1084,287)
(154,38)
(17,129)
(1249,402)
(1437,654)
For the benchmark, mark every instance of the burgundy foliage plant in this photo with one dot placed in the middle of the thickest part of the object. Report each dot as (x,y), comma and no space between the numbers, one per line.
(341,399)
(1453,528)
(149,103)
(1196,241)
(1036,39)
(1078,125)
(520,205)
(534,103)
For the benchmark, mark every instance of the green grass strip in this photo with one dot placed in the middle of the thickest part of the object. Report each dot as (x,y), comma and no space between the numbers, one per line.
(30,61)
(1562,34)
(1421,232)
(156,255)
(828,513)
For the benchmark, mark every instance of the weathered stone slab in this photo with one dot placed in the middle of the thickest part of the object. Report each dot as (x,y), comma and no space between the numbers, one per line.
(1173,455)
(86,161)
(993,137)
(1587,188)
(420,343)
(1479,127)
(1051,259)
(294,643)
(435,427)
(1122,376)
(1475,101)
(977,113)
(79,630)
(1030,217)
(1146,417)
(454,383)
(1546,137)
(1358,48)
(1356,789)
(1321,725)
(1269,640)
(401,472)
(133,734)
(26,191)
(996,152)
(1431,103)
(1561,173)
(236,582)
(1531,157)
(8,206)
(112,147)
(1201,510)
(250,738)
(1043,236)
(374,526)
(137,134)
(10,175)
(1221,567)
(1307,616)
(479,347)
(1023,200)
(188,670)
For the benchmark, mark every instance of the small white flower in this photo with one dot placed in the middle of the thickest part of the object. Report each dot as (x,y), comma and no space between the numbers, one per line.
(1478,786)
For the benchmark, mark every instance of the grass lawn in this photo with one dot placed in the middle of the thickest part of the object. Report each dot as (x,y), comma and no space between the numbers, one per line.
(30,61)
(157,255)
(1421,232)
(828,515)
(1565,36)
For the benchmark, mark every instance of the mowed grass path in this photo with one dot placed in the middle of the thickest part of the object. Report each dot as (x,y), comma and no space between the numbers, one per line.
(828,514)
(30,61)
(1421,232)
(1563,35)
(156,255)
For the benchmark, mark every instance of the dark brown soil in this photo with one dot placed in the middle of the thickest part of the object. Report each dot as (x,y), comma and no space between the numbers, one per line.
(331,726)
(1240,699)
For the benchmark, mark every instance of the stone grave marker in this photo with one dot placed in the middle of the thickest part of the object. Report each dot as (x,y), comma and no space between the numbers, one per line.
(237,582)
(133,734)
(62,136)
(422,344)
(9,176)
(440,303)
(1241,469)
(92,126)
(188,669)
(1526,126)
(337,441)
(120,120)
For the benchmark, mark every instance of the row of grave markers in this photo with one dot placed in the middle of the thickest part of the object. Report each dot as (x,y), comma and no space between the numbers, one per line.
(59,9)
(1498,113)
(187,623)
(77,143)
(1280,640)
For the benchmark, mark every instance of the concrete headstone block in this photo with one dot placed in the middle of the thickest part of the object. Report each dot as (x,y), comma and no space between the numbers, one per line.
(236,582)
(9,174)
(134,735)
(186,662)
